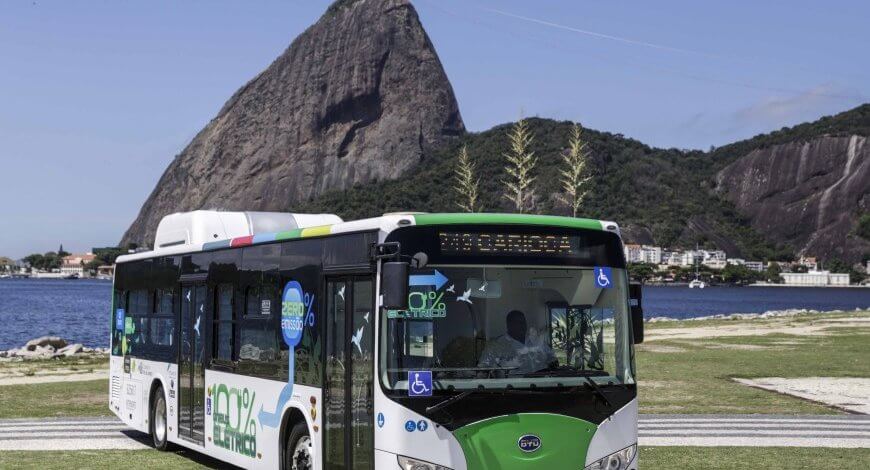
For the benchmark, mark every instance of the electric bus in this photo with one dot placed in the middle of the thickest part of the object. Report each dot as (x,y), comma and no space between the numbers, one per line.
(410,341)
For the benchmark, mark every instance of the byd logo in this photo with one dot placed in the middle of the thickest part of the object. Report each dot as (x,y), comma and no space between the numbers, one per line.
(529,443)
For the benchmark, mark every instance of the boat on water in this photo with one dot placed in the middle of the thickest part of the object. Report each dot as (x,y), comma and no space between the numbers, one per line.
(697,282)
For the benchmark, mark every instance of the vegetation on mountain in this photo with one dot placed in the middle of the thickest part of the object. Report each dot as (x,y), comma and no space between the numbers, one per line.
(863,229)
(662,196)
(852,122)
(658,190)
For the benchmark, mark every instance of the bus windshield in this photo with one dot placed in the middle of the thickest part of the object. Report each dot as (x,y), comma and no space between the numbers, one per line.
(496,326)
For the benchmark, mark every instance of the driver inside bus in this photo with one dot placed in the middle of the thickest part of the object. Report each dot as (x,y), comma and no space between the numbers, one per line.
(520,350)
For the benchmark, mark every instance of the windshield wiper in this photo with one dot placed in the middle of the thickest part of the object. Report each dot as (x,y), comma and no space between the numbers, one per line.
(445,403)
(598,390)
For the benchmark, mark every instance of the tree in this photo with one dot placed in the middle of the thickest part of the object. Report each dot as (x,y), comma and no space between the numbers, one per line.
(466,184)
(520,164)
(574,179)
(837,265)
(641,271)
(773,272)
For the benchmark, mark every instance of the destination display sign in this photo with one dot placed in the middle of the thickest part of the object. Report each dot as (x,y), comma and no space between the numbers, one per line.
(495,243)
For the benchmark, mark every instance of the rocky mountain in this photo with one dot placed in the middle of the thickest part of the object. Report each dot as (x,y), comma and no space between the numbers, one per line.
(807,194)
(360,96)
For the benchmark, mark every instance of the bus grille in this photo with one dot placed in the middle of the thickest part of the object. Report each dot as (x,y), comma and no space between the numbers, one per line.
(116,387)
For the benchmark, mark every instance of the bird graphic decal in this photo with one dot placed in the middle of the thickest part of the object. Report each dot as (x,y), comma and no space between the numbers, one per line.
(465,297)
(357,338)
(452,288)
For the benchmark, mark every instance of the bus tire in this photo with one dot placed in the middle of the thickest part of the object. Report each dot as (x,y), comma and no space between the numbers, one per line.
(158,424)
(297,455)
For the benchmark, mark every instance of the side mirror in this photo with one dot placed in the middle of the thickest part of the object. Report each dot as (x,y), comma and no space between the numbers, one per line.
(635,298)
(394,285)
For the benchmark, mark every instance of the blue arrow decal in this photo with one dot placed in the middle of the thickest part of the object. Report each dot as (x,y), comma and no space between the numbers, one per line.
(273,419)
(435,279)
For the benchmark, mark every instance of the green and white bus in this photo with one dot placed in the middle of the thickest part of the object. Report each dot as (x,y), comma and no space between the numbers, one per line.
(409,341)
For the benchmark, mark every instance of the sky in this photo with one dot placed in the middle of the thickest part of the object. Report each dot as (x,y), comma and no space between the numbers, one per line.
(97,97)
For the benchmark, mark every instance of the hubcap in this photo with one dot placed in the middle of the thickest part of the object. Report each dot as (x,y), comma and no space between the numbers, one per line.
(302,454)
(160,420)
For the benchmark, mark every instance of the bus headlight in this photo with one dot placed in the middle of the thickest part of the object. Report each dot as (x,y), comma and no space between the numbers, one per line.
(615,461)
(407,463)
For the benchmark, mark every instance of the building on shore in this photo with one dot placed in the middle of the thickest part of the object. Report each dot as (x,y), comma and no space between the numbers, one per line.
(815,278)
(632,253)
(809,262)
(756,266)
(643,253)
(74,265)
(651,254)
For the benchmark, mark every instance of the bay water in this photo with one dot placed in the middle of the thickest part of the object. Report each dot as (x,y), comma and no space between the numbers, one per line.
(78,310)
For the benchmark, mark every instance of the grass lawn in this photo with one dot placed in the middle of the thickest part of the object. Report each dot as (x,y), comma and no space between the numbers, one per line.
(101,459)
(651,458)
(693,375)
(89,398)
(81,363)
(727,458)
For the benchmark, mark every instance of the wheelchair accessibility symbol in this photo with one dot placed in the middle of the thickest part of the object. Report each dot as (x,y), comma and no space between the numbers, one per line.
(603,277)
(420,383)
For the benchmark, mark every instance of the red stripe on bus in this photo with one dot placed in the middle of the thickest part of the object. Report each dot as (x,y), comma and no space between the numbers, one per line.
(242,241)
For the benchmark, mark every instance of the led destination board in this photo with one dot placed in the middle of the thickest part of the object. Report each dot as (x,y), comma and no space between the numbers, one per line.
(490,243)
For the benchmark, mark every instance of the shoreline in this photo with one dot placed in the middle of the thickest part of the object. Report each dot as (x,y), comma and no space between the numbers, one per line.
(791,312)
(685,285)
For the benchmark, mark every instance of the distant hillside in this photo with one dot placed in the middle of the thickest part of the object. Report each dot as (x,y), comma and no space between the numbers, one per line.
(664,196)
(657,195)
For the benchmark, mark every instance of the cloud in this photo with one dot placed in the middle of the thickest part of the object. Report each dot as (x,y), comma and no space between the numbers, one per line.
(775,112)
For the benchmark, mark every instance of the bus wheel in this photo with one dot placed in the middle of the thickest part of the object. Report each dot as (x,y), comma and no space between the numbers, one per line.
(297,452)
(158,420)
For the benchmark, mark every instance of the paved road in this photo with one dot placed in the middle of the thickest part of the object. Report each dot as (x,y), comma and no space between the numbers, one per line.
(755,430)
(654,430)
(69,434)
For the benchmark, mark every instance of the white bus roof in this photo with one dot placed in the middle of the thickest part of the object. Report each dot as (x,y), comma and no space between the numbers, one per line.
(189,232)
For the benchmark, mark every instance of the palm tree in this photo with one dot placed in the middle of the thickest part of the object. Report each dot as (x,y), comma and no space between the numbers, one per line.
(520,165)
(466,184)
(574,179)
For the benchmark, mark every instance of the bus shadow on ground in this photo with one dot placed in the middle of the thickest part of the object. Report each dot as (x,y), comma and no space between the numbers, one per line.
(192,455)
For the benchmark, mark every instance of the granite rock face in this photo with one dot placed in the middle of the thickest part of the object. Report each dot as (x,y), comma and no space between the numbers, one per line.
(359,96)
(807,194)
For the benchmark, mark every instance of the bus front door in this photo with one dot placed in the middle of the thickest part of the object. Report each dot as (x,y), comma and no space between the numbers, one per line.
(191,375)
(349,398)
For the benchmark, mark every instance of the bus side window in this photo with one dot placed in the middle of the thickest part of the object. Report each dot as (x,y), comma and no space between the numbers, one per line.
(161,335)
(136,324)
(224,324)
(259,333)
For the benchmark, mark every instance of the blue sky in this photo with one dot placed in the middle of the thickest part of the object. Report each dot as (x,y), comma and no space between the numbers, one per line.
(97,97)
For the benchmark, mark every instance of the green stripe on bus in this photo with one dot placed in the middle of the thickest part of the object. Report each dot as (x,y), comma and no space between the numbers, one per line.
(295,233)
(494,443)
(508,219)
